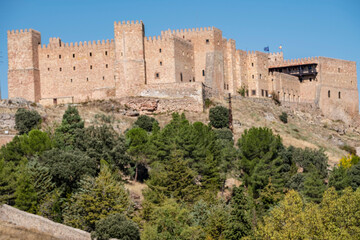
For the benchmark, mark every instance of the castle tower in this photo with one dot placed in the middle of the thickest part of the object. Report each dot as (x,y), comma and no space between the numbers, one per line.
(129,58)
(23,71)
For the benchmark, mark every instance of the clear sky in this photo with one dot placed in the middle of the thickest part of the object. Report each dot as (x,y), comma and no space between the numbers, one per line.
(305,28)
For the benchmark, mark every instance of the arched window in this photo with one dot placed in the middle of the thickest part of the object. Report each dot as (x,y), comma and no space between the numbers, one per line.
(329,94)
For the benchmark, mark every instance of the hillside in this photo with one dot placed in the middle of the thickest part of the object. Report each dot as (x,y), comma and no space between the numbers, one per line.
(306,127)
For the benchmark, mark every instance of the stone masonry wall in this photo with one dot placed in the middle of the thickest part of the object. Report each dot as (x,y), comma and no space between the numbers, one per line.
(41,224)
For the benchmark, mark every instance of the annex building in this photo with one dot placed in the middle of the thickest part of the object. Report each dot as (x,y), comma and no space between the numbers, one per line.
(189,64)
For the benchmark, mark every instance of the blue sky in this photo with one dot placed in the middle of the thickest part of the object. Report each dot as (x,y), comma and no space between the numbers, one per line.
(305,28)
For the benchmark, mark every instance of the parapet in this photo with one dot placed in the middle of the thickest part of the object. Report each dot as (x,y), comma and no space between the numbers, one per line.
(21,32)
(137,22)
(53,43)
(180,32)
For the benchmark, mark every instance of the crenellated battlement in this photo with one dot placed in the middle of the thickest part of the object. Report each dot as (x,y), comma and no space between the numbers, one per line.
(13,32)
(120,23)
(298,61)
(87,44)
(187,31)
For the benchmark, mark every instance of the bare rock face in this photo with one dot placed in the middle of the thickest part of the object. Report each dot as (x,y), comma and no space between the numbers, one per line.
(7,121)
(149,105)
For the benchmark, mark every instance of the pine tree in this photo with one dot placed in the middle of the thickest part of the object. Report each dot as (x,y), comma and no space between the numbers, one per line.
(314,187)
(7,182)
(26,196)
(96,199)
(239,223)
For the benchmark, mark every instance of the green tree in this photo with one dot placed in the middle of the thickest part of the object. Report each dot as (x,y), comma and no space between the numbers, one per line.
(68,167)
(25,120)
(216,224)
(103,143)
(145,122)
(314,187)
(173,179)
(171,221)
(26,196)
(96,199)
(284,117)
(71,122)
(116,226)
(8,182)
(260,153)
(354,176)
(137,140)
(339,178)
(239,223)
(219,117)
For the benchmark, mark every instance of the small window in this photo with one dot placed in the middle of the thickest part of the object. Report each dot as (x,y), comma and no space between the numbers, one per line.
(160,63)
(339,70)
(193,79)
(157,75)
(203,72)
(310,79)
(74,55)
(90,66)
(106,65)
(339,95)
(252,64)
(74,68)
(266,93)
(253,92)
(260,76)
(272,79)
(48,69)
(190,80)
(60,69)
(253,76)
(103,77)
(227,86)
(262,92)
(207,41)
(59,56)
(48,56)
(105,53)
(90,54)
(159,50)
(224,86)
(87,79)
(181,77)
(329,94)
(70,80)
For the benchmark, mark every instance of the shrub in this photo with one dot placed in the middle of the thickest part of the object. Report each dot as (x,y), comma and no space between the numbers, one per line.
(349,149)
(242,91)
(116,226)
(224,134)
(284,117)
(145,122)
(219,117)
(25,120)
(208,103)
(275,98)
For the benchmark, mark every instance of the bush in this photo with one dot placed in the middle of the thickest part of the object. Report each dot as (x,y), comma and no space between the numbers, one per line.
(224,134)
(219,117)
(275,98)
(25,120)
(116,226)
(284,117)
(145,122)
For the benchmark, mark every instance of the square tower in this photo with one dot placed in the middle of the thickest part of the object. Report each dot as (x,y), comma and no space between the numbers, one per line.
(23,71)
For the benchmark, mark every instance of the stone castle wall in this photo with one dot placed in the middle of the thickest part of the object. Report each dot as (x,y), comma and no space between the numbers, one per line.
(135,65)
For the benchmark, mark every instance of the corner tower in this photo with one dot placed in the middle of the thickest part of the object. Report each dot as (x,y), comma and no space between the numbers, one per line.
(129,58)
(23,71)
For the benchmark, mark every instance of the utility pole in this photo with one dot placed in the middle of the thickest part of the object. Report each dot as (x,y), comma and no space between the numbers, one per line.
(230,115)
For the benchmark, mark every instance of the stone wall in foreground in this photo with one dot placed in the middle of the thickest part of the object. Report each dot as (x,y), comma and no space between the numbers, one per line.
(41,224)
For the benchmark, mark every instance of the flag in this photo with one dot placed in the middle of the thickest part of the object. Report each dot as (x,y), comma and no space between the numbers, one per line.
(266,49)
(280,47)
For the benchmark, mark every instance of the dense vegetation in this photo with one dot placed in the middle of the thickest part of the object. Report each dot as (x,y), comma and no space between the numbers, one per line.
(75,175)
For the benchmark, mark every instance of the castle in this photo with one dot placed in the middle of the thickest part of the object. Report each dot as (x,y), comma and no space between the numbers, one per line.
(191,64)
